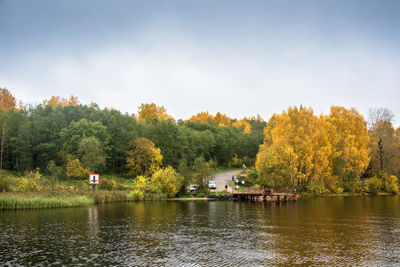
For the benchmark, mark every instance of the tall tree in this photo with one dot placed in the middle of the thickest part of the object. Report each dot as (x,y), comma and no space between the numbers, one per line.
(152,111)
(92,154)
(384,142)
(7,103)
(142,157)
(349,136)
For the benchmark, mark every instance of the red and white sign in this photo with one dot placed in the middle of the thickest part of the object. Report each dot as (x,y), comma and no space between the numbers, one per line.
(94,178)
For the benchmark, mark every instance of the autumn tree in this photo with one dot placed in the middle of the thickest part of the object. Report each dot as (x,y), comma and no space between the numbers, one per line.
(244,125)
(142,157)
(166,181)
(7,103)
(222,119)
(202,117)
(55,101)
(152,111)
(349,136)
(295,152)
(384,143)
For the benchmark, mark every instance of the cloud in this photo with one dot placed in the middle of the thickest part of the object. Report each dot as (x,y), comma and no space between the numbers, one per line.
(186,77)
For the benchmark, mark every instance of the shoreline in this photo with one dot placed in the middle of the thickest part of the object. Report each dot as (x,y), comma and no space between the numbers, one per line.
(37,201)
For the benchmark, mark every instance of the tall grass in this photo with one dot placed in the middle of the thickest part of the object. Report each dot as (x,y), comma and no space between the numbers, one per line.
(37,202)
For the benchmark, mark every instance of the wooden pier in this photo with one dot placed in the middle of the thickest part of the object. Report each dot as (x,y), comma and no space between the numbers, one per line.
(263,194)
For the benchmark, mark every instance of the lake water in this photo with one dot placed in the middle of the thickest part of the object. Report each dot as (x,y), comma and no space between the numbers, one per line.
(327,231)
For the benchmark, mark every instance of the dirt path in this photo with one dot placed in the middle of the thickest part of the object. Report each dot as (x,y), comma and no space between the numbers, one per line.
(223,178)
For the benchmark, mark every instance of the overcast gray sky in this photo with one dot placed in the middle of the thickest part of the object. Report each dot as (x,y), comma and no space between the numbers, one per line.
(241,58)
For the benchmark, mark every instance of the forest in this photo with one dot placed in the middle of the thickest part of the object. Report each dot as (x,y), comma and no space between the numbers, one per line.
(327,153)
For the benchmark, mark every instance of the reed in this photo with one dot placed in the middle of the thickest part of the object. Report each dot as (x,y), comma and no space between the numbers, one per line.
(38,202)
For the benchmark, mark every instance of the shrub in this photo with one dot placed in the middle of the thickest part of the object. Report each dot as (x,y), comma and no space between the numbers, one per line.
(7,183)
(54,170)
(30,183)
(107,184)
(140,183)
(352,185)
(166,181)
(338,190)
(316,187)
(374,185)
(74,169)
(390,184)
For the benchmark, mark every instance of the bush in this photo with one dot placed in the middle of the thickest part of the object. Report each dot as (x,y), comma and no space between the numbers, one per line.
(107,184)
(338,190)
(7,183)
(166,181)
(352,185)
(30,183)
(374,185)
(316,187)
(54,170)
(390,184)
(75,170)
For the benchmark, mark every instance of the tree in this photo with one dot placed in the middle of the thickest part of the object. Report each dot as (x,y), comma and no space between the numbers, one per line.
(349,136)
(152,111)
(7,103)
(295,151)
(202,117)
(74,169)
(384,144)
(72,135)
(92,155)
(143,158)
(166,181)
(201,172)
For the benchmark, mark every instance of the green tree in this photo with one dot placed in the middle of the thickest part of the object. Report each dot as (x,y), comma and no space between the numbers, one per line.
(92,154)
(73,135)
(201,172)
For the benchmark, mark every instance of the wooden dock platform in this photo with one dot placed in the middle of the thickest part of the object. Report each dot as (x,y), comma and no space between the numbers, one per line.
(264,194)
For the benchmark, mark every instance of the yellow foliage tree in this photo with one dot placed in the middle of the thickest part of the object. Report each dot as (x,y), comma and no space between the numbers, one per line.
(348,133)
(244,125)
(152,111)
(74,169)
(166,181)
(202,117)
(7,100)
(296,150)
(222,119)
(55,101)
(143,158)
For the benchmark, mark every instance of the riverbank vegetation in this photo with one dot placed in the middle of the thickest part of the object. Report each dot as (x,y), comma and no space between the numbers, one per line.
(330,153)
(48,150)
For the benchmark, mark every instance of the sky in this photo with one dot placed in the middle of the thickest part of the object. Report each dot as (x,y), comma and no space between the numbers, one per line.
(241,58)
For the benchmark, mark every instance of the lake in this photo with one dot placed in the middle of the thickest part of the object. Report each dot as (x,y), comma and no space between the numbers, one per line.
(363,230)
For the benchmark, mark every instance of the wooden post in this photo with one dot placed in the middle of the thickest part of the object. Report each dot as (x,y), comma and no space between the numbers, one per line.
(263,193)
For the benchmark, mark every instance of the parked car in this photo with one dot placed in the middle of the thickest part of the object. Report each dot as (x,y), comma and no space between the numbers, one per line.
(193,188)
(212,185)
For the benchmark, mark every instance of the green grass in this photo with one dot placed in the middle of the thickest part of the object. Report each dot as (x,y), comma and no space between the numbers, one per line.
(16,201)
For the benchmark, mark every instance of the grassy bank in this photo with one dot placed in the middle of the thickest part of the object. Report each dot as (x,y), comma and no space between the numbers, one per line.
(66,199)
(17,201)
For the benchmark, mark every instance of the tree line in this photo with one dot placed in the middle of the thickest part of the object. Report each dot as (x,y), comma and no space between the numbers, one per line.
(330,153)
(63,136)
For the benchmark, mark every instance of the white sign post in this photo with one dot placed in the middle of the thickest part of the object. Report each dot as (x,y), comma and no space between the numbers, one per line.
(94,179)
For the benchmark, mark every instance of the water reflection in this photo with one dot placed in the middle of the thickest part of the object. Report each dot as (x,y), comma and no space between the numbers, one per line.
(330,231)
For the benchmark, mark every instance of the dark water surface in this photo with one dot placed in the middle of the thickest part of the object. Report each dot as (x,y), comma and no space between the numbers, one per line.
(361,231)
